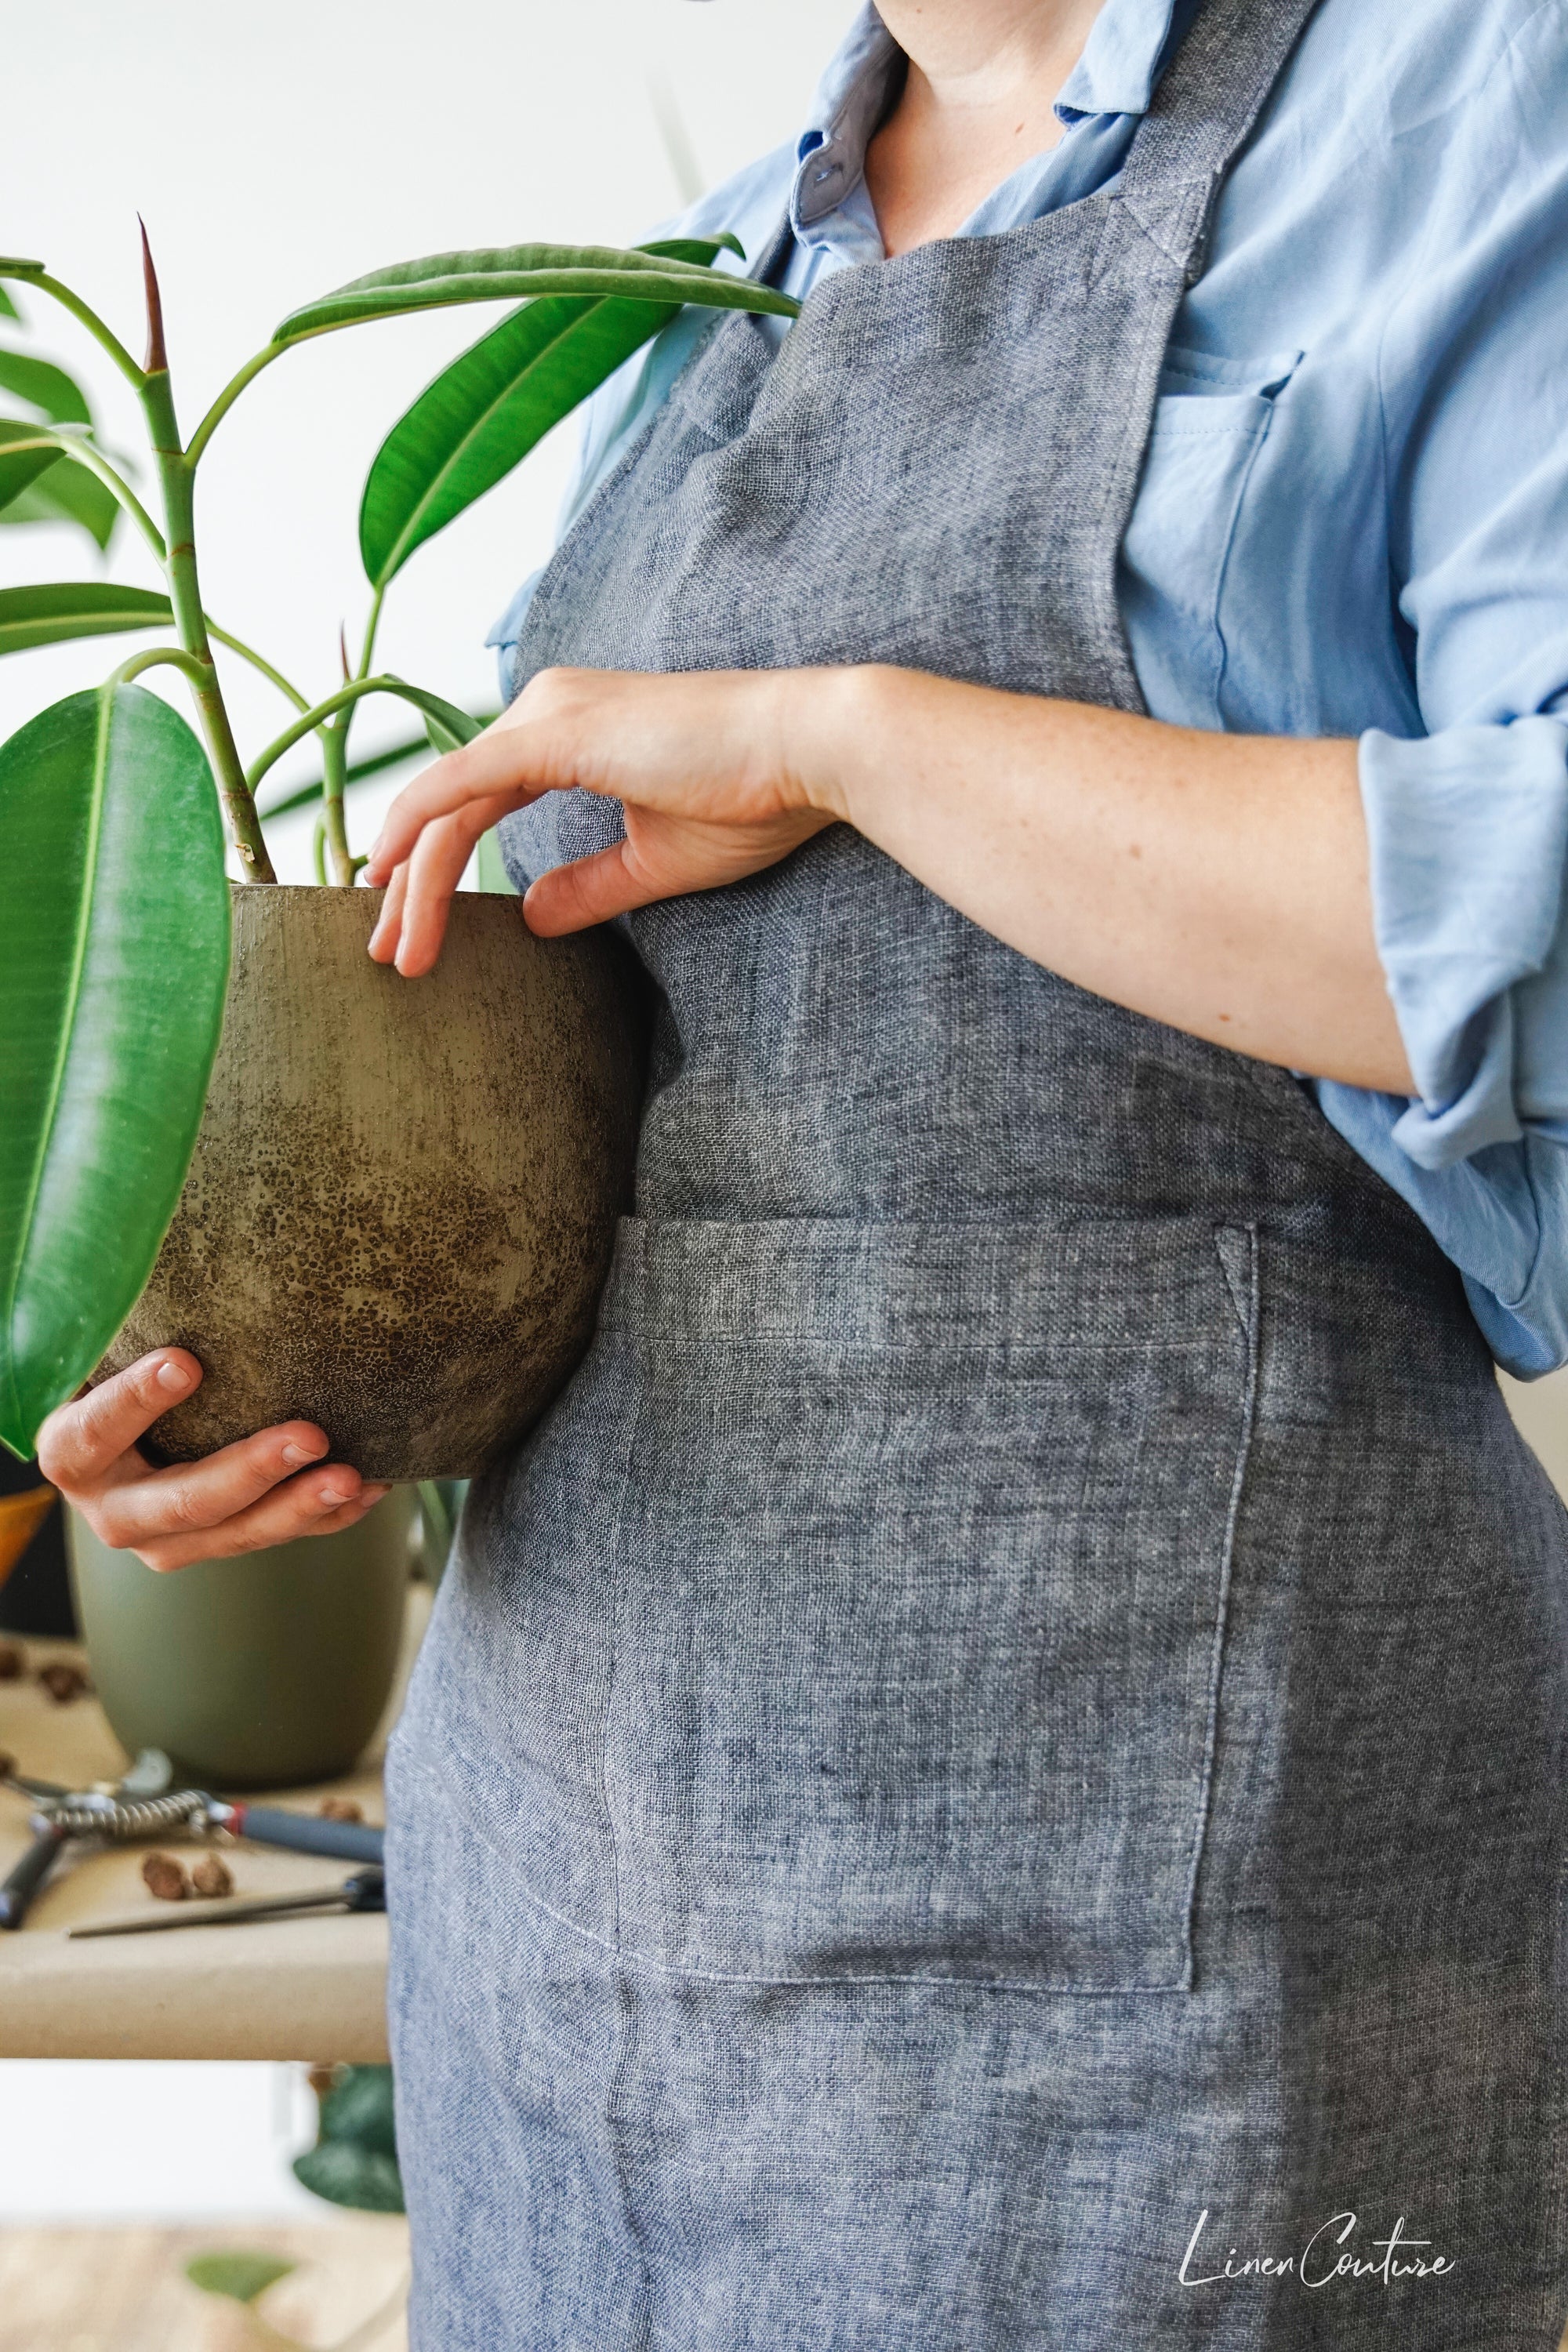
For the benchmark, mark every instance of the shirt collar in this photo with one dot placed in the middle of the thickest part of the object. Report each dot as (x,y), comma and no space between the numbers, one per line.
(850,101)
(1116,74)
(1121,61)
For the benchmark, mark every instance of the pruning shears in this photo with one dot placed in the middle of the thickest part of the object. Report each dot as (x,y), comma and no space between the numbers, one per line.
(146,1804)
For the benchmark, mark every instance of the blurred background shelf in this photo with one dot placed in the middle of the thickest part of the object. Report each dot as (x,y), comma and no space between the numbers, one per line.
(288,1988)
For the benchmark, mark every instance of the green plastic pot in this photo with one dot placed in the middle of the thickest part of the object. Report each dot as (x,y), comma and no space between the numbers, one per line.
(267,1672)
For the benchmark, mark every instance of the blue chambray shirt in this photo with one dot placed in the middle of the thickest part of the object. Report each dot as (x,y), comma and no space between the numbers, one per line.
(1352,520)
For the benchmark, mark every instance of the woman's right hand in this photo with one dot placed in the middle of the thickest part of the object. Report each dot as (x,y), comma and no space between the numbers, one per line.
(261,1491)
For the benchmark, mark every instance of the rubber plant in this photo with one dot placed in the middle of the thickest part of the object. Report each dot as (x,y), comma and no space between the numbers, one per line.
(114,953)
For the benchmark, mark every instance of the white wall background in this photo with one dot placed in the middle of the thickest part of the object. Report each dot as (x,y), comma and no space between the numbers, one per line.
(133,2140)
(274,151)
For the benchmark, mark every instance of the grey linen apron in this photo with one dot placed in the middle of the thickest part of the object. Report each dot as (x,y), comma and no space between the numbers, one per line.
(1017,1699)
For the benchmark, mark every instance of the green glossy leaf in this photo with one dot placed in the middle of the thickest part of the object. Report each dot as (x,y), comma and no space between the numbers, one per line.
(7,307)
(44,385)
(346,2175)
(518,272)
(68,494)
(482,416)
(113,961)
(81,608)
(469,429)
(447,726)
(16,470)
(360,2107)
(239,2276)
(354,2162)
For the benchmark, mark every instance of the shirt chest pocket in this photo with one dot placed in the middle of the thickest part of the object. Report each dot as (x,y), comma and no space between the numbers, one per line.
(1211,419)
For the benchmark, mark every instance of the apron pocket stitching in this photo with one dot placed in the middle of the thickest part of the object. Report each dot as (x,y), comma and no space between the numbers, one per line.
(1247,1300)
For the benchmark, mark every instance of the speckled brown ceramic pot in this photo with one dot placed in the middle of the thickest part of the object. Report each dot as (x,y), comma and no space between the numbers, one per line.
(403,1196)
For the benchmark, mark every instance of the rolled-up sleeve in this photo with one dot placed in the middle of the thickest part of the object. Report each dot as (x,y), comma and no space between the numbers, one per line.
(1467,831)
(1467,824)
(1468,836)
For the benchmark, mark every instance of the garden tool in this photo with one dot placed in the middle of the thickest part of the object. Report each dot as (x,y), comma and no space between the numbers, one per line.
(144,1805)
(141,1805)
(298,1833)
(365,1891)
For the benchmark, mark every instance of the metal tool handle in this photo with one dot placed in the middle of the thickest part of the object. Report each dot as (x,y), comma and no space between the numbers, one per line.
(303,1832)
(29,1875)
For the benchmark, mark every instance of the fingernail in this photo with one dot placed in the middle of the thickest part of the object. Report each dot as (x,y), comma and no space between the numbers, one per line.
(294,1454)
(332,1499)
(174,1377)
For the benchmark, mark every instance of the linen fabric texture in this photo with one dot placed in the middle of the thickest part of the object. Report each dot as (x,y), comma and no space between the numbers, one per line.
(1016,1699)
(1384,308)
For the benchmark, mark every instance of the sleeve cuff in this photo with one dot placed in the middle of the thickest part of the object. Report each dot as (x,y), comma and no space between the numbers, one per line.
(1468,834)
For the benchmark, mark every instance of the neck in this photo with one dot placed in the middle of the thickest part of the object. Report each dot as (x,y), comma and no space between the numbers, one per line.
(978,99)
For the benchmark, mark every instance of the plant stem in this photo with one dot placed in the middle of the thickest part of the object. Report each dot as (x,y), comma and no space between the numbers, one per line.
(162,657)
(372,624)
(248,652)
(90,318)
(335,758)
(185,594)
(86,454)
(334,765)
(392,757)
(226,398)
(310,719)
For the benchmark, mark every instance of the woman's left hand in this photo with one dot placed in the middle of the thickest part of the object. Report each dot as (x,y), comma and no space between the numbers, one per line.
(706,764)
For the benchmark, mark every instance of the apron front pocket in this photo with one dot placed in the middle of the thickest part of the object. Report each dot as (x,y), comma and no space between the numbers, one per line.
(915,1568)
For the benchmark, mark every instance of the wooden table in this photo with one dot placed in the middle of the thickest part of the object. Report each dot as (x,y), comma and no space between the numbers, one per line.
(308,1987)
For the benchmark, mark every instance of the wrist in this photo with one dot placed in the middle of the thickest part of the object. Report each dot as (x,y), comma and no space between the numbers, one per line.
(829,722)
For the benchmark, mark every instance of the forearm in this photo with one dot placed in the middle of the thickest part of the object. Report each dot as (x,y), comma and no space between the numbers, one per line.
(1216,882)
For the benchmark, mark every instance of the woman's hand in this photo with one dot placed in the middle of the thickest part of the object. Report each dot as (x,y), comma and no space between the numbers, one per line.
(256,1493)
(1219,883)
(706,763)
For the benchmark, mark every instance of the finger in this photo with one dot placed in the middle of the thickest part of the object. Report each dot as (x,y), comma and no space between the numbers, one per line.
(660,857)
(495,767)
(266,1525)
(389,922)
(192,1496)
(555,734)
(80,1441)
(590,891)
(434,870)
